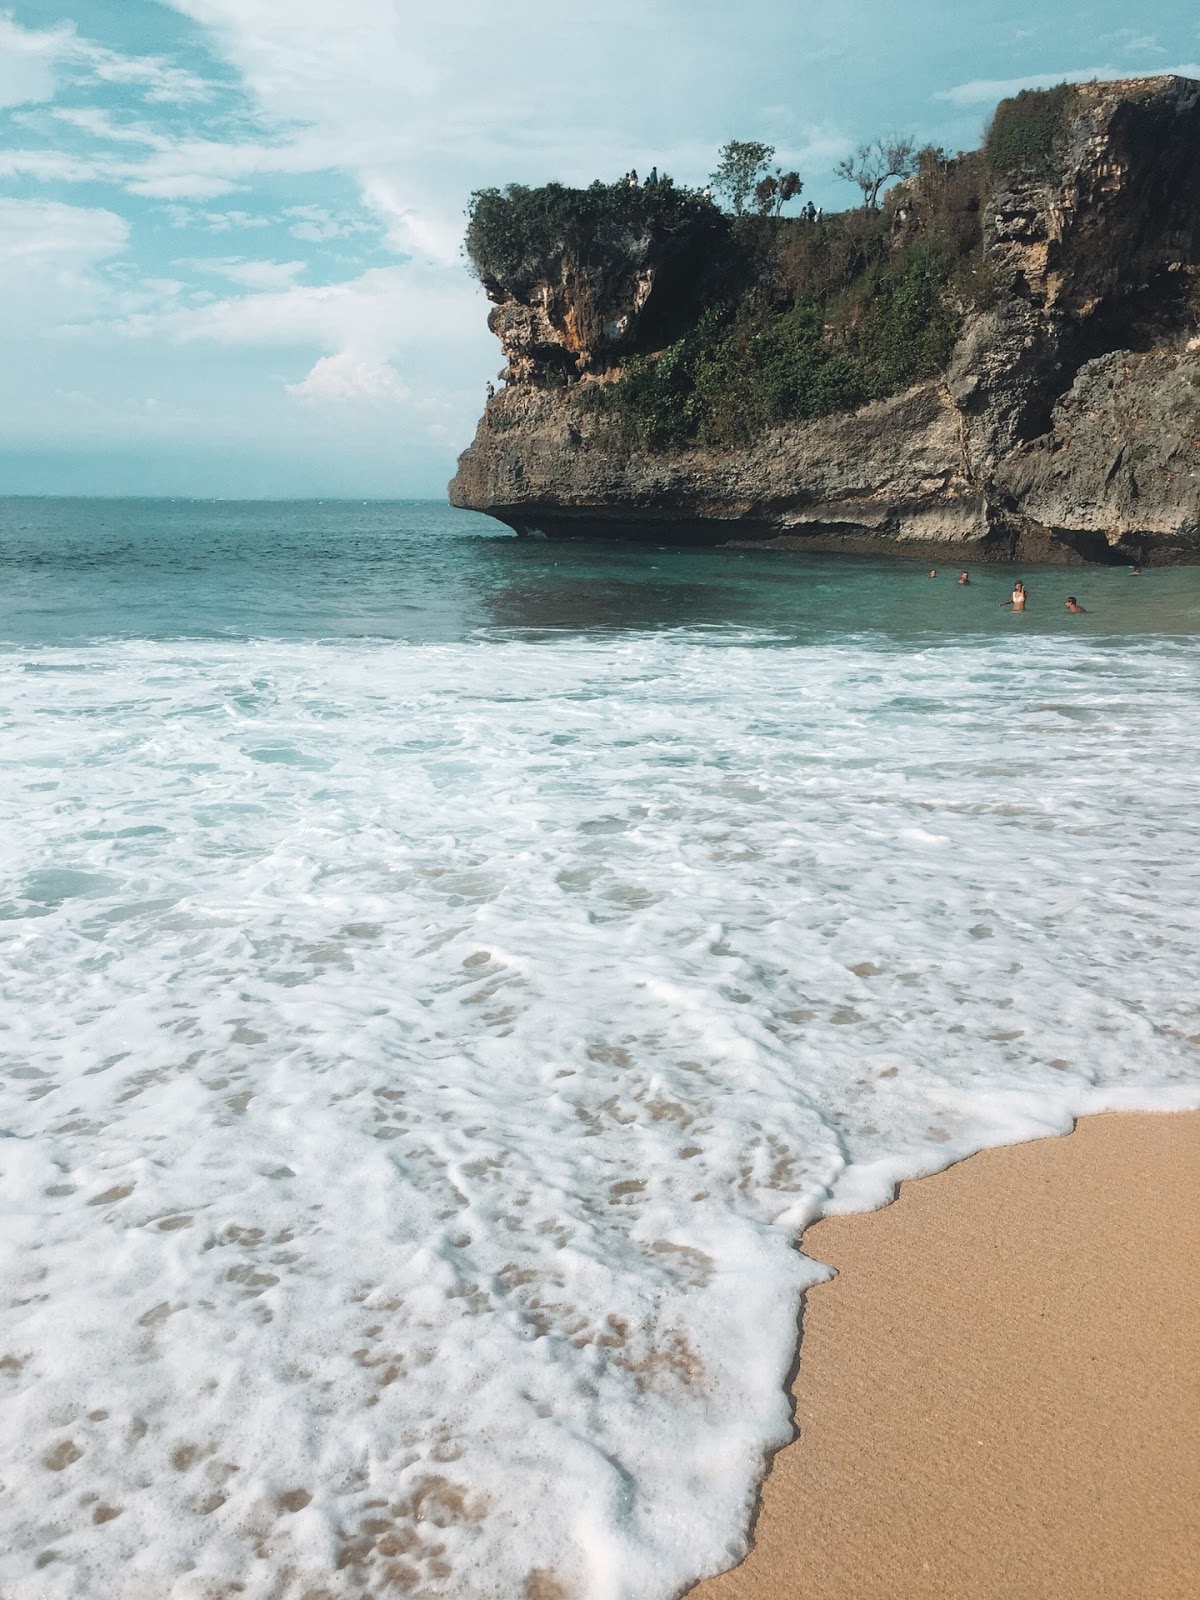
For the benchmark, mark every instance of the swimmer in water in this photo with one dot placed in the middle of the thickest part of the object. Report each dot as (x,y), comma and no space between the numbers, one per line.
(1074,607)
(964,577)
(933,572)
(1019,596)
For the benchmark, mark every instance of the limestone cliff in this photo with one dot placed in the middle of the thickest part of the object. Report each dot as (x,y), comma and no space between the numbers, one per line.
(1066,425)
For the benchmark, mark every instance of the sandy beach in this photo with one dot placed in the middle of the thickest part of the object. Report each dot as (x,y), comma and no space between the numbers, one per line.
(999,1395)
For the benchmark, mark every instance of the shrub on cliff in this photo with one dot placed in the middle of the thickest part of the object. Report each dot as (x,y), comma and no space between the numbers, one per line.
(1023,131)
(739,371)
(901,328)
(823,257)
(943,200)
(937,208)
(770,369)
(730,377)
(743,164)
(517,235)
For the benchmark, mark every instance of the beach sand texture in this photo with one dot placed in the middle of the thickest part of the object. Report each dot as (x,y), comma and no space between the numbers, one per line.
(999,1395)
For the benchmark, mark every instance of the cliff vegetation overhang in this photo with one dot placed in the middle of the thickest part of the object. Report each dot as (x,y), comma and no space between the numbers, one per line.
(997,279)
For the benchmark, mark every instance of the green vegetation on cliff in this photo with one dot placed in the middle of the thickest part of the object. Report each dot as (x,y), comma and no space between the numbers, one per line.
(825,314)
(691,326)
(515,234)
(738,372)
(1060,423)
(1023,131)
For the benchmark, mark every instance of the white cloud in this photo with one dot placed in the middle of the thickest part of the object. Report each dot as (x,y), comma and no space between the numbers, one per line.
(408,230)
(365,330)
(1135,42)
(265,274)
(29,60)
(377,315)
(55,166)
(986,91)
(48,258)
(44,235)
(185,185)
(406,99)
(173,172)
(173,169)
(251,274)
(33,60)
(346,377)
(181,216)
(200,169)
(160,81)
(100,125)
(316,224)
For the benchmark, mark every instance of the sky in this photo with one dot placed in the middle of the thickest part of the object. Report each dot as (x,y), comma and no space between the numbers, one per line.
(230,230)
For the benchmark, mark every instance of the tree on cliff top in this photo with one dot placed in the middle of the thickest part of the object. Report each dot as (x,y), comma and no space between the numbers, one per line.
(744,170)
(872,164)
(743,165)
(774,191)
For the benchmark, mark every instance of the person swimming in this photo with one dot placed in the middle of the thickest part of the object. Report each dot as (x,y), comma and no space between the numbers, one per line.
(1019,596)
(964,577)
(1073,606)
(933,572)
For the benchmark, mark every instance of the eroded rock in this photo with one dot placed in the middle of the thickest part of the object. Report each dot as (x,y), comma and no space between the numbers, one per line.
(1066,426)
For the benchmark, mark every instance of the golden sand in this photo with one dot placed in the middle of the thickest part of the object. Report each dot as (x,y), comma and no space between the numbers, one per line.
(998,1397)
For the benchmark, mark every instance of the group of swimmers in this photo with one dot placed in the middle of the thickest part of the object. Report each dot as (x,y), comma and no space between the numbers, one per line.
(1020,593)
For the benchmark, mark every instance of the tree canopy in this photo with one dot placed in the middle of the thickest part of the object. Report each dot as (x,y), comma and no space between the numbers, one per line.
(513,233)
(874,163)
(774,191)
(742,165)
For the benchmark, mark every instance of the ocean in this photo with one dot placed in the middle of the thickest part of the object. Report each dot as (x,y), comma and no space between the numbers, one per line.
(443,974)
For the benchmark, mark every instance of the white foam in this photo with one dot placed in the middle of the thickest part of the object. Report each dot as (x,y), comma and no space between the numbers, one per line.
(418,1062)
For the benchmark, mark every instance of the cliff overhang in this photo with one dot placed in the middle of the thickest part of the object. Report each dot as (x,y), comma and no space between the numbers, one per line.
(1064,425)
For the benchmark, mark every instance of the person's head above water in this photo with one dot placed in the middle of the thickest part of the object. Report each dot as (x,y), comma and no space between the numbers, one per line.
(933,572)
(1073,605)
(964,577)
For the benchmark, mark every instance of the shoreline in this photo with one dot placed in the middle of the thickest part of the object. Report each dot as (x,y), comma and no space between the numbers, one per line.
(998,1395)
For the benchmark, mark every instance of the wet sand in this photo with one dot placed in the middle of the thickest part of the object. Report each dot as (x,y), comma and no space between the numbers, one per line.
(998,1397)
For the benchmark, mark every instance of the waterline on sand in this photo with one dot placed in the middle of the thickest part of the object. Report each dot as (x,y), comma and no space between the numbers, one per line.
(997,1393)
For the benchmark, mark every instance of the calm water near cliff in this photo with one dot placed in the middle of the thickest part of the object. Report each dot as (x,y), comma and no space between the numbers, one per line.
(442,973)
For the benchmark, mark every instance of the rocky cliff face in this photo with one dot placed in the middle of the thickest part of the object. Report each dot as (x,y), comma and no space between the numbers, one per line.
(1066,427)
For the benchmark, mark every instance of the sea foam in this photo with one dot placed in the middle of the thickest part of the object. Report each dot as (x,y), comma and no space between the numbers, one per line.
(419,1062)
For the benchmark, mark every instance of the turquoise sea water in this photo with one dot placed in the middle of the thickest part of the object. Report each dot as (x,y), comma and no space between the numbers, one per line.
(77,570)
(442,974)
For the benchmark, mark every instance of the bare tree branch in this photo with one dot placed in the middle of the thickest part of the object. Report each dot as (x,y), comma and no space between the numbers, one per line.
(874,163)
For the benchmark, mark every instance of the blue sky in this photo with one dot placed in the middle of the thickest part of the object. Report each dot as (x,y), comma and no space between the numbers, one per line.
(230,229)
